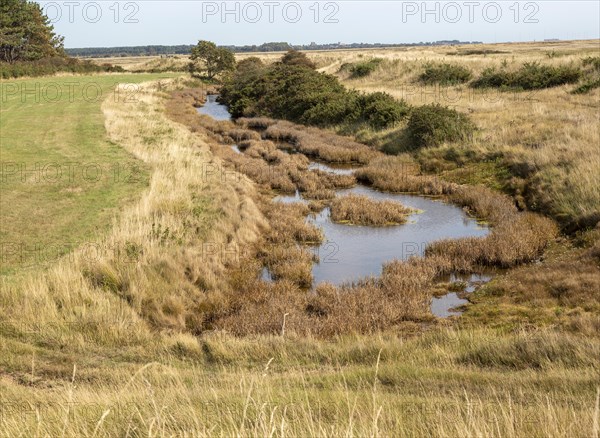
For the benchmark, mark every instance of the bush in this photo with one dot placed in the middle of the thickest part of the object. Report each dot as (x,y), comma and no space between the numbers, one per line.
(298,93)
(365,68)
(484,52)
(445,74)
(381,110)
(587,87)
(531,76)
(294,57)
(339,109)
(432,125)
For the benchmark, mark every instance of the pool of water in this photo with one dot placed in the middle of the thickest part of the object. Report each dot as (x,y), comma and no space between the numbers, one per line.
(353,252)
(339,169)
(214,109)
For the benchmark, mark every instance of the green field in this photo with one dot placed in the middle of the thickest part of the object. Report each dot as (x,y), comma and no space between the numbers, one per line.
(62,180)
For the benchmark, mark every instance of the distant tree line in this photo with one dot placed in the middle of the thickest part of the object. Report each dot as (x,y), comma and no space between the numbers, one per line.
(110,52)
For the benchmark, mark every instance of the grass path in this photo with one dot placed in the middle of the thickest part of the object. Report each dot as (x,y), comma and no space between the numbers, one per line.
(62,179)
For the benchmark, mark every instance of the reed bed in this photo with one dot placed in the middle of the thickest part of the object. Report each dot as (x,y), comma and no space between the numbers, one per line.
(319,144)
(262,161)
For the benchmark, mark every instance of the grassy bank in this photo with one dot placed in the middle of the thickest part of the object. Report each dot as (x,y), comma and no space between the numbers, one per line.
(444,384)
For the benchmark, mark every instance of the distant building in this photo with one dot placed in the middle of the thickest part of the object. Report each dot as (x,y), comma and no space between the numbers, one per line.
(552,40)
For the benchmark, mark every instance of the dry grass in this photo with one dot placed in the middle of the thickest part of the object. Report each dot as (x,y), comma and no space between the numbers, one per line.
(561,291)
(444,384)
(166,251)
(136,64)
(362,210)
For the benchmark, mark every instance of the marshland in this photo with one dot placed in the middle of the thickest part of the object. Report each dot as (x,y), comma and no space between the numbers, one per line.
(397,241)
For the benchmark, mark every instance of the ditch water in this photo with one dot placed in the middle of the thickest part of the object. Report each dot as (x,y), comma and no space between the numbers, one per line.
(350,252)
(214,109)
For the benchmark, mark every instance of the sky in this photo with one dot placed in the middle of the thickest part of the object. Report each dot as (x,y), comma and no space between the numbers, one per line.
(158,22)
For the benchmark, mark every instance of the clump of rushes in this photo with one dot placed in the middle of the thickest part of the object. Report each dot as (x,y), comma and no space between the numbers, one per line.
(361,210)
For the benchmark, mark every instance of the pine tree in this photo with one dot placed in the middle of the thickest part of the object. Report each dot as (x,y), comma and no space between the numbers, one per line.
(26,34)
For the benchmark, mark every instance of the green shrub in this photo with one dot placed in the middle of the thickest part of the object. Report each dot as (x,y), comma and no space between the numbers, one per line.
(593,61)
(531,76)
(445,74)
(381,110)
(339,109)
(492,78)
(301,94)
(484,52)
(365,68)
(294,57)
(432,125)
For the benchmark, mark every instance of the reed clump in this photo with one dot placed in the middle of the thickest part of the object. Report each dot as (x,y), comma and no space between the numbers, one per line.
(362,210)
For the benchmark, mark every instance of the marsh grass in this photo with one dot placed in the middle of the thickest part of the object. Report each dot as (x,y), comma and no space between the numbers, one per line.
(362,210)
(403,293)
(356,386)
(319,144)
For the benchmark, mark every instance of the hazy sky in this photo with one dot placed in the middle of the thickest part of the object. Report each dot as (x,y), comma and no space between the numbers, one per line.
(123,23)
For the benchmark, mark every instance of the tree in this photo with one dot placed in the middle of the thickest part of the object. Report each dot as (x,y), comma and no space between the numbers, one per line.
(210,60)
(26,33)
(294,57)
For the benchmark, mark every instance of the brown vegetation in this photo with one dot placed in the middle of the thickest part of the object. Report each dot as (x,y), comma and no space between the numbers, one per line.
(362,210)
(314,142)
(107,347)
(562,291)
